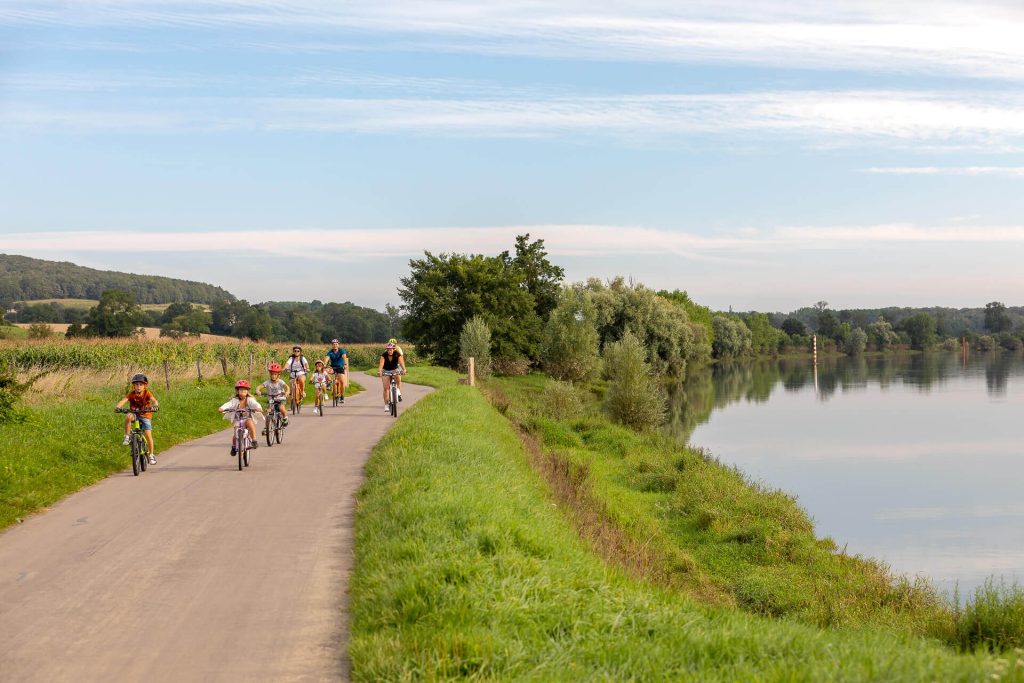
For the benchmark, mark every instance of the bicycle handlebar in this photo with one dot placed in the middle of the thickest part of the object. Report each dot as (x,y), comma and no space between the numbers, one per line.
(151,409)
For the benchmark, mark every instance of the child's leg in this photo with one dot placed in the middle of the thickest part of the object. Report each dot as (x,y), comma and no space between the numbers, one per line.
(149,440)
(251,426)
(127,424)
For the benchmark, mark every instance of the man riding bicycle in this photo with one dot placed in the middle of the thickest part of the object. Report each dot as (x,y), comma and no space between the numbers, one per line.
(337,359)
(392,363)
(277,391)
(297,367)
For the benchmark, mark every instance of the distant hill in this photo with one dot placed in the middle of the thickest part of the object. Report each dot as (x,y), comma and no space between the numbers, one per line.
(27,279)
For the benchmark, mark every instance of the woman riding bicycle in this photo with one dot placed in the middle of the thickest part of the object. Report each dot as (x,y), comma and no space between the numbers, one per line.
(391,362)
(277,391)
(297,367)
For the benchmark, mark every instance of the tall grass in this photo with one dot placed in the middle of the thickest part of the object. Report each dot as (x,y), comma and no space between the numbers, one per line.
(993,618)
(464,570)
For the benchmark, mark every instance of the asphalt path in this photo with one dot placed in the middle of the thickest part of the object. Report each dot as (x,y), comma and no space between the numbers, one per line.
(195,571)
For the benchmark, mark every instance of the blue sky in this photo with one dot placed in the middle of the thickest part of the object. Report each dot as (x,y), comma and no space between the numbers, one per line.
(761,155)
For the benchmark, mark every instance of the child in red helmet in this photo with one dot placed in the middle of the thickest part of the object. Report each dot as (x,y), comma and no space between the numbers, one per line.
(277,390)
(242,400)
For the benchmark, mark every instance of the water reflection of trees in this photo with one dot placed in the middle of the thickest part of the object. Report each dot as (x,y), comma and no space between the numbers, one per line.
(706,389)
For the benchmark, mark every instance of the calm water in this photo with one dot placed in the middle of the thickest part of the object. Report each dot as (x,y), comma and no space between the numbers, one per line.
(917,461)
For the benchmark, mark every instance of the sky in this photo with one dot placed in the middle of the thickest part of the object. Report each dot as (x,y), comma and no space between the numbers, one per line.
(761,155)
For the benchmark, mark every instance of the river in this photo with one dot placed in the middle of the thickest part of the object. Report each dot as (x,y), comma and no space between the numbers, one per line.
(916,460)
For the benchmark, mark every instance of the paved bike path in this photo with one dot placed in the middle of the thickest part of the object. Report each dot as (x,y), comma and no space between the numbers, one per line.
(195,571)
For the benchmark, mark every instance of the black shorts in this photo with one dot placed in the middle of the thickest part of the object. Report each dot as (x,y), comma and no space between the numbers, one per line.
(338,371)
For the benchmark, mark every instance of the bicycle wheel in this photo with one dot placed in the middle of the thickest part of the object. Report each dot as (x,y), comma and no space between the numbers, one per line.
(135,457)
(240,441)
(394,399)
(246,456)
(143,454)
(279,430)
(268,427)
(320,405)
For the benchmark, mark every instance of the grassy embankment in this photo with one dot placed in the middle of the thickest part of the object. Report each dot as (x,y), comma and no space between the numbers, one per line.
(467,568)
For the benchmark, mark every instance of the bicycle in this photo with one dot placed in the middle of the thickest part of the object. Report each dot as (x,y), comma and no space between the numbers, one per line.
(137,441)
(274,430)
(338,383)
(392,391)
(318,406)
(241,441)
(295,401)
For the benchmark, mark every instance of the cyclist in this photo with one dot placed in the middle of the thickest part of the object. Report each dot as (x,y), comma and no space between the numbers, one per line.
(297,367)
(277,391)
(242,400)
(320,380)
(390,361)
(141,399)
(337,359)
(399,377)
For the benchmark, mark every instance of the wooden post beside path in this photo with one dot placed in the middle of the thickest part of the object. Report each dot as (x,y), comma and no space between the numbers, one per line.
(250,365)
(224,365)
(199,370)
(472,371)
(167,376)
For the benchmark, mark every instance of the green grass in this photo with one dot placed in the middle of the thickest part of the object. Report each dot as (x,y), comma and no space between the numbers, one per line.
(65,446)
(13,332)
(466,570)
(712,532)
(993,618)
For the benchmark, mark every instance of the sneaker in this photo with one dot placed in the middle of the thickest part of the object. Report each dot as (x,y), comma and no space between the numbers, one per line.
(232,451)
(285,422)
(387,408)
(341,399)
(152,459)
(399,397)
(254,446)
(127,439)
(315,411)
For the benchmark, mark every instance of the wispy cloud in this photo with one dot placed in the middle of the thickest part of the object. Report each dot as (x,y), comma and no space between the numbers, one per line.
(981,39)
(561,240)
(1009,171)
(832,118)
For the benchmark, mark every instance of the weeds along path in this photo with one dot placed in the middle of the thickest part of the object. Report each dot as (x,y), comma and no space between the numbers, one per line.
(194,570)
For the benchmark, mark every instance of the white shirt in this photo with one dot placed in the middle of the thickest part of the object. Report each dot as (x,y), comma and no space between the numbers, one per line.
(234,404)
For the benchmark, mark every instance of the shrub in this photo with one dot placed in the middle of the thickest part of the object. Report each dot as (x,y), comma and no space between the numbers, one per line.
(994,618)
(985,343)
(39,331)
(510,365)
(634,398)
(562,400)
(732,338)
(856,342)
(11,391)
(475,342)
(570,346)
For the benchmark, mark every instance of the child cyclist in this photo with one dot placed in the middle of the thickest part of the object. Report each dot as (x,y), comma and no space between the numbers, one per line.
(321,380)
(242,401)
(140,399)
(277,391)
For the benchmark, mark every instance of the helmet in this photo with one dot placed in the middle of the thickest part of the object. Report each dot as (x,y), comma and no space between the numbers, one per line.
(296,348)
(392,341)
(139,377)
(319,362)
(242,384)
(391,345)
(335,341)
(274,367)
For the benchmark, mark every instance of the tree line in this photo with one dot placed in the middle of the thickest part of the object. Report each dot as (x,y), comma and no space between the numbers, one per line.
(27,279)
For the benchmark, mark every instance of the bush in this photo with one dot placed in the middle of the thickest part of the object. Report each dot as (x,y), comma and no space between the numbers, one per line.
(856,342)
(994,619)
(475,342)
(562,400)
(510,365)
(39,331)
(985,343)
(732,338)
(634,398)
(569,349)
(11,391)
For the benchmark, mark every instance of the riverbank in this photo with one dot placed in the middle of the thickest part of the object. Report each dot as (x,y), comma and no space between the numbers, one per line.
(468,566)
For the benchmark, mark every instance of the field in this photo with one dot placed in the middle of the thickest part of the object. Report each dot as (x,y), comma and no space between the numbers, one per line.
(89,303)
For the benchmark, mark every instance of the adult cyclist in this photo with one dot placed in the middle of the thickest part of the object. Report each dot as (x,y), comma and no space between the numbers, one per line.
(402,355)
(392,362)
(337,359)
(297,367)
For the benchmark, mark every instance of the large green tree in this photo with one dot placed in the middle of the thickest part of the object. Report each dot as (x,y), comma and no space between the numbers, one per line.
(996,318)
(920,327)
(542,278)
(116,315)
(442,292)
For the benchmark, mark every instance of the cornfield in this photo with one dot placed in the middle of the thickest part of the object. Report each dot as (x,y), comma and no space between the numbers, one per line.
(149,355)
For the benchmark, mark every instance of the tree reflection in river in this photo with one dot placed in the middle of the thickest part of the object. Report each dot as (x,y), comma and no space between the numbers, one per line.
(692,401)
